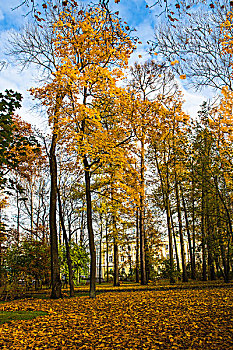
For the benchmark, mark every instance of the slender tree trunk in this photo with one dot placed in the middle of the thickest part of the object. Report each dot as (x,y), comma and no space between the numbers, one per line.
(142,216)
(100,253)
(82,228)
(68,257)
(137,248)
(92,293)
(55,268)
(166,201)
(210,238)
(171,258)
(106,231)
(31,205)
(188,234)
(175,244)
(116,255)
(183,258)
(193,229)
(203,233)
(1,277)
(18,216)
(224,262)
(225,206)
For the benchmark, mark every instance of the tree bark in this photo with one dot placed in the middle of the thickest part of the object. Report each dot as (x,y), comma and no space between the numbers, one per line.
(175,244)
(116,282)
(203,233)
(55,268)
(166,202)
(106,232)
(183,257)
(68,257)
(100,253)
(137,249)
(188,234)
(92,292)
(193,227)
(142,216)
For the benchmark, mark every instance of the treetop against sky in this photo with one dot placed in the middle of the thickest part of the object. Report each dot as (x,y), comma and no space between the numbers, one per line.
(140,15)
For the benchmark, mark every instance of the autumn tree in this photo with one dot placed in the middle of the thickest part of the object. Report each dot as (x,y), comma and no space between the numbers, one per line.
(89,44)
(194,43)
(150,82)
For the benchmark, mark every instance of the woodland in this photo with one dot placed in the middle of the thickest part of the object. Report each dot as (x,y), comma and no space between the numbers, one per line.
(121,162)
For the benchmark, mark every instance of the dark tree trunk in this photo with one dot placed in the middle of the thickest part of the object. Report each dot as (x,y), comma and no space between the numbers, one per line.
(166,201)
(203,233)
(183,258)
(1,274)
(142,217)
(68,257)
(92,293)
(175,245)
(106,230)
(116,265)
(171,258)
(116,256)
(193,229)
(137,249)
(100,254)
(18,215)
(55,268)
(82,227)
(189,236)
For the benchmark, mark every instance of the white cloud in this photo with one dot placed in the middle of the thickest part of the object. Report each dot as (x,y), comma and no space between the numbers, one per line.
(193,100)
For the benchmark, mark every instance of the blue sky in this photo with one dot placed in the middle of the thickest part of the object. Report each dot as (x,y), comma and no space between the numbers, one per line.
(132,11)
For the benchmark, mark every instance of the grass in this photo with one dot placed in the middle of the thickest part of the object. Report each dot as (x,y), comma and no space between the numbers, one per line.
(7,316)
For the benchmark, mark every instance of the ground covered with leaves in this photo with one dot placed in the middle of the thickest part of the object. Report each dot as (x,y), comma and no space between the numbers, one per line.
(185,319)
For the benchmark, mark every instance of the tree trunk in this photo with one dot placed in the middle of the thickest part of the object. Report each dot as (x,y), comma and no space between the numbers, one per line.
(68,257)
(188,234)
(55,268)
(171,258)
(176,250)
(142,216)
(106,230)
(92,293)
(116,282)
(193,229)
(137,248)
(183,258)
(203,233)
(18,216)
(166,201)
(100,254)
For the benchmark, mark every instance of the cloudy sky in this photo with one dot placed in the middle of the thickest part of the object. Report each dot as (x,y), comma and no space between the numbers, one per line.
(132,11)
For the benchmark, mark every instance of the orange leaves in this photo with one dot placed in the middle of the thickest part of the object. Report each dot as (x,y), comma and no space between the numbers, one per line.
(174,62)
(117,1)
(183,76)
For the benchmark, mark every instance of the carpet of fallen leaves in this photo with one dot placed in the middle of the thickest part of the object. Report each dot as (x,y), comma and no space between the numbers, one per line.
(186,319)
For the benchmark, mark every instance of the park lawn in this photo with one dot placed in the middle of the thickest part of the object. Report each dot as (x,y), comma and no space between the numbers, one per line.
(173,319)
(7,316)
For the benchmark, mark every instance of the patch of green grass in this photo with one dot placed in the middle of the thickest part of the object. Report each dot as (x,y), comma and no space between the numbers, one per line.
(7,316)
